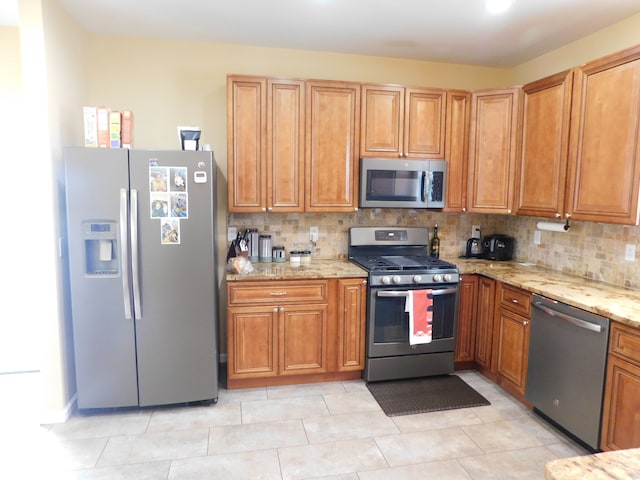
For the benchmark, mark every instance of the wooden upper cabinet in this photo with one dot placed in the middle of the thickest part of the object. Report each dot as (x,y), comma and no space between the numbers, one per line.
(425,112)
(604,156)
(265,144)
(402,122)
(492,150)
(382,121)
(542,159)
(285,145)
(246,145)
(457,149)
(331,156)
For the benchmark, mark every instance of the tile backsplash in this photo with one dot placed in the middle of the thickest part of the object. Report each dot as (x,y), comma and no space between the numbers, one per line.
(591,250)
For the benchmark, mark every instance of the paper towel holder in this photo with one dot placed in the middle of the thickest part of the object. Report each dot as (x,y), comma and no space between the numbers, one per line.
(555,227)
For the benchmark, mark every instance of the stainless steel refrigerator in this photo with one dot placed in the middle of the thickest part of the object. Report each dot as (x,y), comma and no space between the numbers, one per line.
(141,250)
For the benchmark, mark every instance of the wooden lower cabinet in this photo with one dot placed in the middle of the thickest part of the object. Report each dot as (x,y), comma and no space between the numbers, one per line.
(351,316)
(284,332)
(511,350)
(621,413)
(466,328)
(484,326)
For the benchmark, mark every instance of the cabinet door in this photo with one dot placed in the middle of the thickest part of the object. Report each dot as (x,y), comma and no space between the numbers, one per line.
(331,165)
(351,324)
(246,152)
(484,326)
(457,149)
(492,150)
(620,420)
(604,158)
(303,339)
(381,132)
(424,125)
(285,145)
(466,329)
(542,162)
(252,342)
(512,348)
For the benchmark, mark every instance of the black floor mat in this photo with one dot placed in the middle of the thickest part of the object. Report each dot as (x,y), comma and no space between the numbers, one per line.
(426,394)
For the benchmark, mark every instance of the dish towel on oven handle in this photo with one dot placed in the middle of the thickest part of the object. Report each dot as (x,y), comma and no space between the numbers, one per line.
(420,308)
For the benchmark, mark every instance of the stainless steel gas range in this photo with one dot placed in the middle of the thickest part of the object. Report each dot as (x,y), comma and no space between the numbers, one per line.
(399,268)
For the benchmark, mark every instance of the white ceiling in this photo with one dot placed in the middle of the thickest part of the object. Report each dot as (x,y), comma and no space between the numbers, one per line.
(457,31)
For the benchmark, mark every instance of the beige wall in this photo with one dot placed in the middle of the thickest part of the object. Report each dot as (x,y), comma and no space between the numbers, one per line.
(173,83)
(617,37)
(168,83)
(54,82)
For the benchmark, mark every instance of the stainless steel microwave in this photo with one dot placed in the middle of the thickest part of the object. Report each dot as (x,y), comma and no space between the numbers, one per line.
(402,183)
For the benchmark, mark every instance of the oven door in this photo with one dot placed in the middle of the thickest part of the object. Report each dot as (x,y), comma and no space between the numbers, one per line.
(388,323)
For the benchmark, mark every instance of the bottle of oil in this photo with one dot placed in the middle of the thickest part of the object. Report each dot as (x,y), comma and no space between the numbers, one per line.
(434,249)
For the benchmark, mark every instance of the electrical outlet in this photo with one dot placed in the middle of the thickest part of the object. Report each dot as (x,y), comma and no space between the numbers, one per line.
(232,233)
(630,252)
(313,234)
(475,231)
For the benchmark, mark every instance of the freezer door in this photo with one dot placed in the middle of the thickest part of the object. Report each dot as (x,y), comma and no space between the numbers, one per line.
(96,183)
(175,278)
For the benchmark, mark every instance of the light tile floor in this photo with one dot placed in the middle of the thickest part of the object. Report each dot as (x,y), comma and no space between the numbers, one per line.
(321,431)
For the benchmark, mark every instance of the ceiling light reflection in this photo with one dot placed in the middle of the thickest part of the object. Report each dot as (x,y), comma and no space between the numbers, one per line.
(495,7)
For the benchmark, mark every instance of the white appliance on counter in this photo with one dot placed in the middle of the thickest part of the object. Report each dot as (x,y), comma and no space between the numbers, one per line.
(142,272)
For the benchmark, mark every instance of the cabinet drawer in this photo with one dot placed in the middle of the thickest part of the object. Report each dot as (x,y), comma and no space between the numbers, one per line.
(515,299)
(625,342)
(279,292)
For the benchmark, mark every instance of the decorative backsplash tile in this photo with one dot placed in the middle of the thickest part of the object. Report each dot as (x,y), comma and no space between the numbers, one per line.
(590,250)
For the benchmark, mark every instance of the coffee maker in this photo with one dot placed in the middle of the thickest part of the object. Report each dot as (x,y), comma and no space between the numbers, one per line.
(474,246)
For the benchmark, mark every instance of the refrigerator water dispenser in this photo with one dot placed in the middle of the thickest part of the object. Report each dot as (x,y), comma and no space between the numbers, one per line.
(101,248)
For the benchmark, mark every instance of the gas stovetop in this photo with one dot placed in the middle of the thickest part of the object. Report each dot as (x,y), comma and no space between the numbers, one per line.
(398,256)
(391,263)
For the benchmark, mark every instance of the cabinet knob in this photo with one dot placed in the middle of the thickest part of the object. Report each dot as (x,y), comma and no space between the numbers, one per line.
(263,209)
(509,211)
(558,215)
(355,209)
(364,282)
(567,215)
(270,209)
(464,210)
(525,323)
(281,309)
(513,300)
(275,309)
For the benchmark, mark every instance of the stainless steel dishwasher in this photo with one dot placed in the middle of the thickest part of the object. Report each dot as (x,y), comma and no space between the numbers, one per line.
(567,363)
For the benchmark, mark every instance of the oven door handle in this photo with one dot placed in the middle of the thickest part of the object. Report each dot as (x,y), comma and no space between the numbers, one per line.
(392,293)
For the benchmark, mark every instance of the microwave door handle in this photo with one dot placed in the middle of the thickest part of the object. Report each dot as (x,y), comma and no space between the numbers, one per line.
(424,187)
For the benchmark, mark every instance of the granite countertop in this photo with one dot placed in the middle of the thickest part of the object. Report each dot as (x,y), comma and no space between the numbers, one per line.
(616,303)
(286,271)
(619,465)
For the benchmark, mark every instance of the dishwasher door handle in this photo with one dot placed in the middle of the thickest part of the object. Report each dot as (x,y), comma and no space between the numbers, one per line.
(576,321)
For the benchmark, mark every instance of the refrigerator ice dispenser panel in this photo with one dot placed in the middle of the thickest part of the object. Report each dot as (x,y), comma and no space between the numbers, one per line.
(101,248)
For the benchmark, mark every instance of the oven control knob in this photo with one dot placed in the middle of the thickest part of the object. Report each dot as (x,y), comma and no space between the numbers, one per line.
(417,279)
(437,277)
(448,277)
(396,279)
(385,280)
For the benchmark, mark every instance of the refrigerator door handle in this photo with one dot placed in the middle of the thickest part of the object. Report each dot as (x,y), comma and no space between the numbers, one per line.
(124,247)
(135,270)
